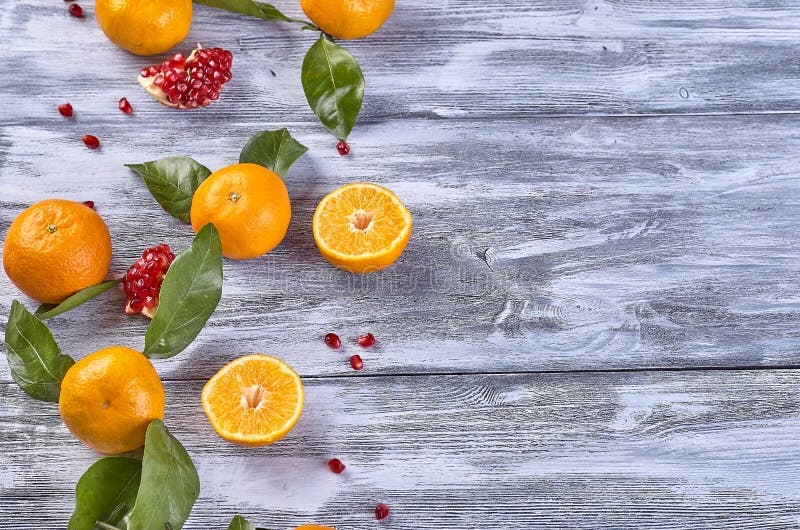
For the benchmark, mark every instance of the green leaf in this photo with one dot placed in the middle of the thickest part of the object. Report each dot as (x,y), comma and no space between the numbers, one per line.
(36,362)
(240,523)
(46,311)
(334,86)
(248,7)
(275,150)
(169,486)
(172,181)
(106,494)
(191,291)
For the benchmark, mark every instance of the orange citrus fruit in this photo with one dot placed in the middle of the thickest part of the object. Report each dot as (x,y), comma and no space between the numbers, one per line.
(56,248)
(109,397)
(348,19)
(254,400)
(144,27)
(361,227)
(248,204)
(314,527)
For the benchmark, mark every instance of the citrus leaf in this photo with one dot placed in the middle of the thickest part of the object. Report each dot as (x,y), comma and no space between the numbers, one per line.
(248,7)
(45,311)
(189,294)
(275,150)
(172,181)
(36,362)
(334,86)
(240,523)
(169,485)
(106,493)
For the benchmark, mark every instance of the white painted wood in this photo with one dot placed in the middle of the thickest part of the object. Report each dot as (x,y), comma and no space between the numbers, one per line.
(458,58)
(537,245)
(658,451)
(540,244)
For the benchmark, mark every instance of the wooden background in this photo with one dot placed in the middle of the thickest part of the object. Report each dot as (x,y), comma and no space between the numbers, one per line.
(596,323)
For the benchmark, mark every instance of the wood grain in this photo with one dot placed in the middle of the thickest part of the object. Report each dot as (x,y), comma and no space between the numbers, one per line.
(538,245)
(657,451)
(454,59)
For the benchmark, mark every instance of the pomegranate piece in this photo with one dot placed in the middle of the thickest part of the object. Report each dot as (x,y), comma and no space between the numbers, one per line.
(142,282)
(356,363)
(343,148)
(332,340)
(336,465)
(88,204)
(92,142)
(188,82)
(65,110)
(366,340)
(125,106)
(381,511)
(75,10)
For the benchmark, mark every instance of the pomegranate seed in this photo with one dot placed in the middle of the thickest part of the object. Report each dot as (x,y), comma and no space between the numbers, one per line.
(381,511)
(88,204)
(366,340)
(189,82)
(356,362)
(65,110)
(343,148)
(142,282)
(336,465)
(125,106)
(75,10)
(92,142)
(332,340)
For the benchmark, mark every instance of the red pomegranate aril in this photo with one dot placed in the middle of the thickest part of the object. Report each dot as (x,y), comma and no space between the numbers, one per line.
(65,110)
(88,204)
(336,465)
(142,282)
(189,82)
(366,340)
(75,10)
(356,363)
(343,148)
(332,340)
(125,106)
(92,142)
(381,511)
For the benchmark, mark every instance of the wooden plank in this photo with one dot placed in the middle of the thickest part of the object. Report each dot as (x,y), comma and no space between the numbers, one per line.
(440,59)
(641,450)
(537,245)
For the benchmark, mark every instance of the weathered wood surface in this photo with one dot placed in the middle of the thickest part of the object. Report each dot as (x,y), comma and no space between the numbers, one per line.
(660,451)
(538,245)
(460,58)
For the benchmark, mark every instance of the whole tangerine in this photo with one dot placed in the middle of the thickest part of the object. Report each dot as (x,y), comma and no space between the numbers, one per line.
(56,248)
(144,27)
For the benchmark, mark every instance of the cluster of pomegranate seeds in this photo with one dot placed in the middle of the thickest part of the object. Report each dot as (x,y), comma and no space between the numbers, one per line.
(381,511)
(125,106)
(336,465)
(343,148)
(189,82)
(92,142)
(332,340)
(142,282)
(75,10)
(65,110)
(366,340)
(88,204)
(356,363)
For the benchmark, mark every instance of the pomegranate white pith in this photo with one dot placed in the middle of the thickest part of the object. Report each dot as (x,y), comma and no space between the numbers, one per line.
(187,83)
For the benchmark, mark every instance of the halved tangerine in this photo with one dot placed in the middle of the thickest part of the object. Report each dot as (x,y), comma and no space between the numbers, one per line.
(361,227)
(254,400)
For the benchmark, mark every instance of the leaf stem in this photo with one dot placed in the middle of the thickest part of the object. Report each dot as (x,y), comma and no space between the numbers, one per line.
(104,526)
